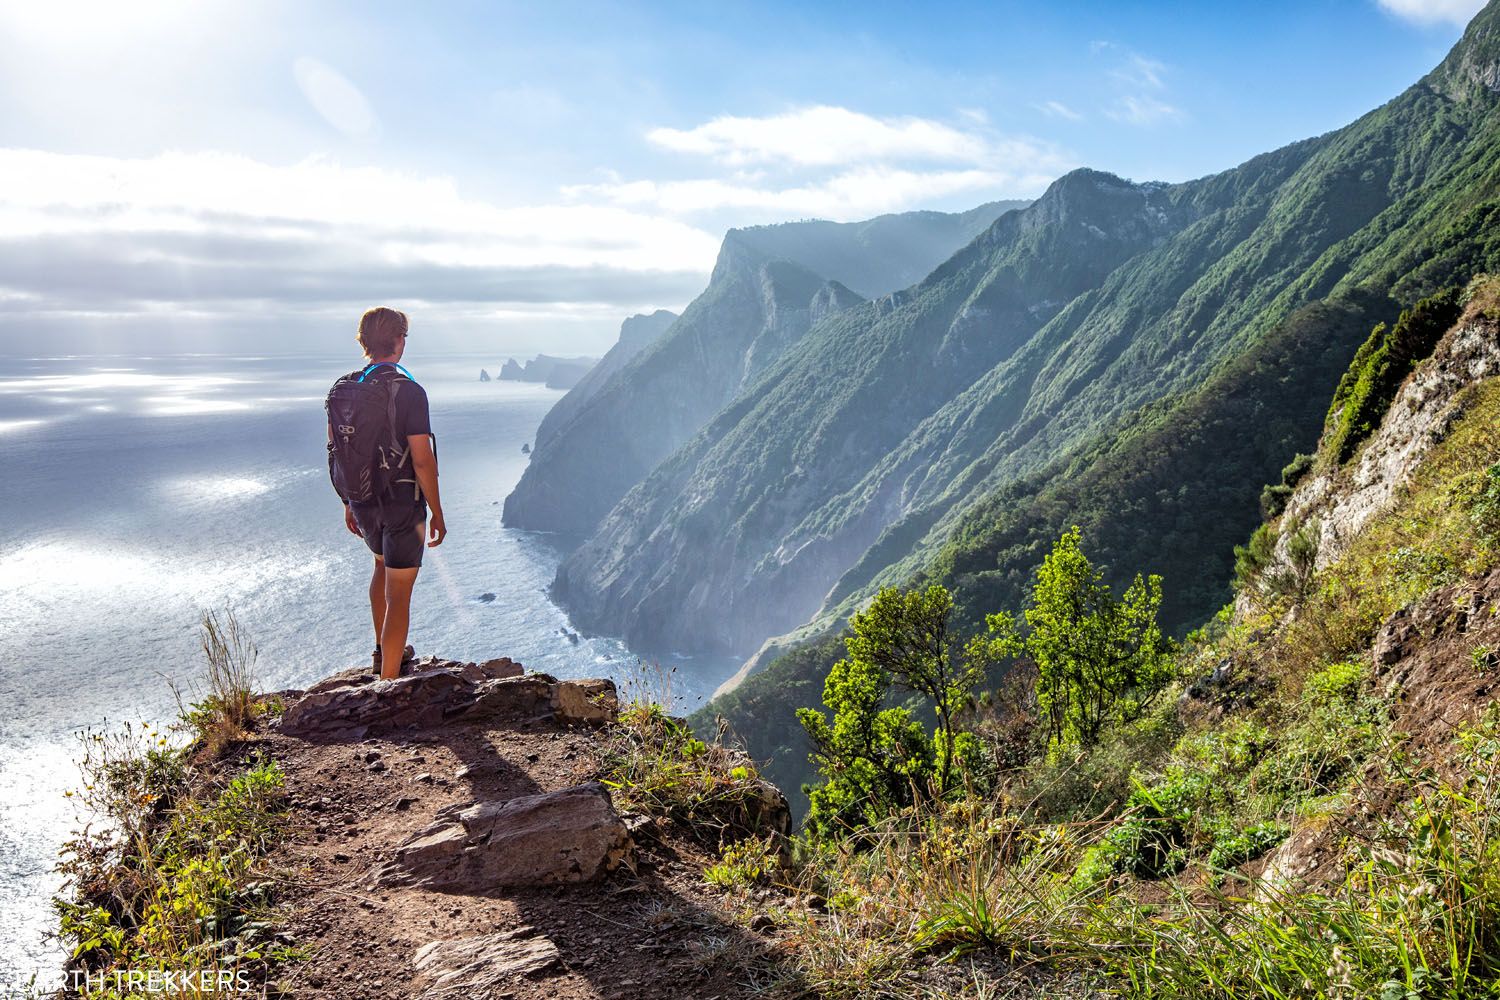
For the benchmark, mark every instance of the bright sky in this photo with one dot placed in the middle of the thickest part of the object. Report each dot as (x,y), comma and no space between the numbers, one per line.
(196,174)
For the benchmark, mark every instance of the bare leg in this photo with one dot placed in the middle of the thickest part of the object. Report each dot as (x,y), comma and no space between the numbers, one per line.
(398,584)
(377,598)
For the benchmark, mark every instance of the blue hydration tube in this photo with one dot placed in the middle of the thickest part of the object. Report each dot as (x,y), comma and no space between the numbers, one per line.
(367,371)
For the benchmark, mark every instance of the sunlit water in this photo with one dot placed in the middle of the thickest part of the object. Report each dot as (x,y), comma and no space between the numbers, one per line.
(141,491)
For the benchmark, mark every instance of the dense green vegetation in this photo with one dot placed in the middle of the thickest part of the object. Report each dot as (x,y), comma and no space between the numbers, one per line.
(1379,366)
(1164,494)
(1280,820)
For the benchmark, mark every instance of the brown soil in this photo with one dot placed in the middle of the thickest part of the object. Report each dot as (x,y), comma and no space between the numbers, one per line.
(656,931)
(1438,662)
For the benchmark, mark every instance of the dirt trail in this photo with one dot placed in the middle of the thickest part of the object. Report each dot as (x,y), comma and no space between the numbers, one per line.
(652,932)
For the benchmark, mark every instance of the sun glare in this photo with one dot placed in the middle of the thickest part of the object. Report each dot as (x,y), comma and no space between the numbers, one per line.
(72,22)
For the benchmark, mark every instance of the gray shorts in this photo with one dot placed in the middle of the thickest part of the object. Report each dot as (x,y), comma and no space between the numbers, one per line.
(393,531)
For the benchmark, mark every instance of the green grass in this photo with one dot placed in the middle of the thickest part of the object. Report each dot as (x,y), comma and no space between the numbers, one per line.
(177,883)
(655,764)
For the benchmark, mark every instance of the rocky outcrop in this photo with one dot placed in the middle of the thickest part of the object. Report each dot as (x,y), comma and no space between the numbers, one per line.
(356,703)
(569,836)
(483,855)
(481,966)
(1336,503)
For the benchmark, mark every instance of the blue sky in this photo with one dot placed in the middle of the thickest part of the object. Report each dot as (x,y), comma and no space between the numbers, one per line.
(522,176)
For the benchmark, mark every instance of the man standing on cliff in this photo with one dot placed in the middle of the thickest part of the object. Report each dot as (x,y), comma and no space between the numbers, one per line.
(384,465)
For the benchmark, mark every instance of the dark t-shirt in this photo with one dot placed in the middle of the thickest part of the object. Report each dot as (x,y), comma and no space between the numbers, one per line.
(412,418)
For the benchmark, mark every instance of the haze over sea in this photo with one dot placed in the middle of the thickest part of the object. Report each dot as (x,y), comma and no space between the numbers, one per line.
(141,491)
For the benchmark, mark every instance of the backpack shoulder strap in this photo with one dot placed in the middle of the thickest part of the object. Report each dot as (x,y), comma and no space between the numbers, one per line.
(378,364)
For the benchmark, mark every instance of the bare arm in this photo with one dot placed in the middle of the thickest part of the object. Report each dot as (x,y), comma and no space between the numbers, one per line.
(424,464)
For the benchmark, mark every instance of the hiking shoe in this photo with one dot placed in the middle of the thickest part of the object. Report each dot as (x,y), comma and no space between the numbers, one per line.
(407,655)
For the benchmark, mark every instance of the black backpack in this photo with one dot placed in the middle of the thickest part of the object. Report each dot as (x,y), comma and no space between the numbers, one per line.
(367,455)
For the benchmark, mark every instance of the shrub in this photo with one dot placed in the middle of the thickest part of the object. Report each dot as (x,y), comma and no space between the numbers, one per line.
(874,760)
(750,862)
(1099,661)
(1274,497)
(1380,365)
(1251,559)
(657,765)
(1151,841)
(1241,846)
(230,707)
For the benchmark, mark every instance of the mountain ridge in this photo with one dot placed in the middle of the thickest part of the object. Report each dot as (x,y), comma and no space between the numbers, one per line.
(1398,199)
(758,302)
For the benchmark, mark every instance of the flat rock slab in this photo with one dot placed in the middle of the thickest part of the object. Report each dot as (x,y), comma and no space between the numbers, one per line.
(356,703)
(573,835)
(353,706)
(480,966)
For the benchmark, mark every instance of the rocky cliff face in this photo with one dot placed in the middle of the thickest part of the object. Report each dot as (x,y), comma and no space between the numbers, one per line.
(636,334)
(753,309)
(769,286)
(1335,503)
(787,487)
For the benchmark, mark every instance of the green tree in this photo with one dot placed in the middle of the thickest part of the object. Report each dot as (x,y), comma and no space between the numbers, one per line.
(875,759)
(1099,660)
(872,759)
(905,634)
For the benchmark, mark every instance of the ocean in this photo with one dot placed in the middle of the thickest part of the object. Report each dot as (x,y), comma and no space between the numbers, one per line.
(144,491)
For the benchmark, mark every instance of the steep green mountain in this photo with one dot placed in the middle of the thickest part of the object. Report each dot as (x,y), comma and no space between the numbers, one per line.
(768,287)
(866,445)
(1165,492)
(694,538)
(636,334)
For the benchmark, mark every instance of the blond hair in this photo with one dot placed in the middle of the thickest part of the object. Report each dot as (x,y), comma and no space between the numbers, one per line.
(379,330)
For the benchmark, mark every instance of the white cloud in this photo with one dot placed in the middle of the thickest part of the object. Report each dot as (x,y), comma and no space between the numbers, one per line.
(824,136)
(1057,109)
(1141,71)
(1457,12)
(203,231)
(1140,86)
(332,95)
(399,216)
(1141,109)
(849,195)
(836,163)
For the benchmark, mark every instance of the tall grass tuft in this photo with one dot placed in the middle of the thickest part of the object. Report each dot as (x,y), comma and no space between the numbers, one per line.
(230,706)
